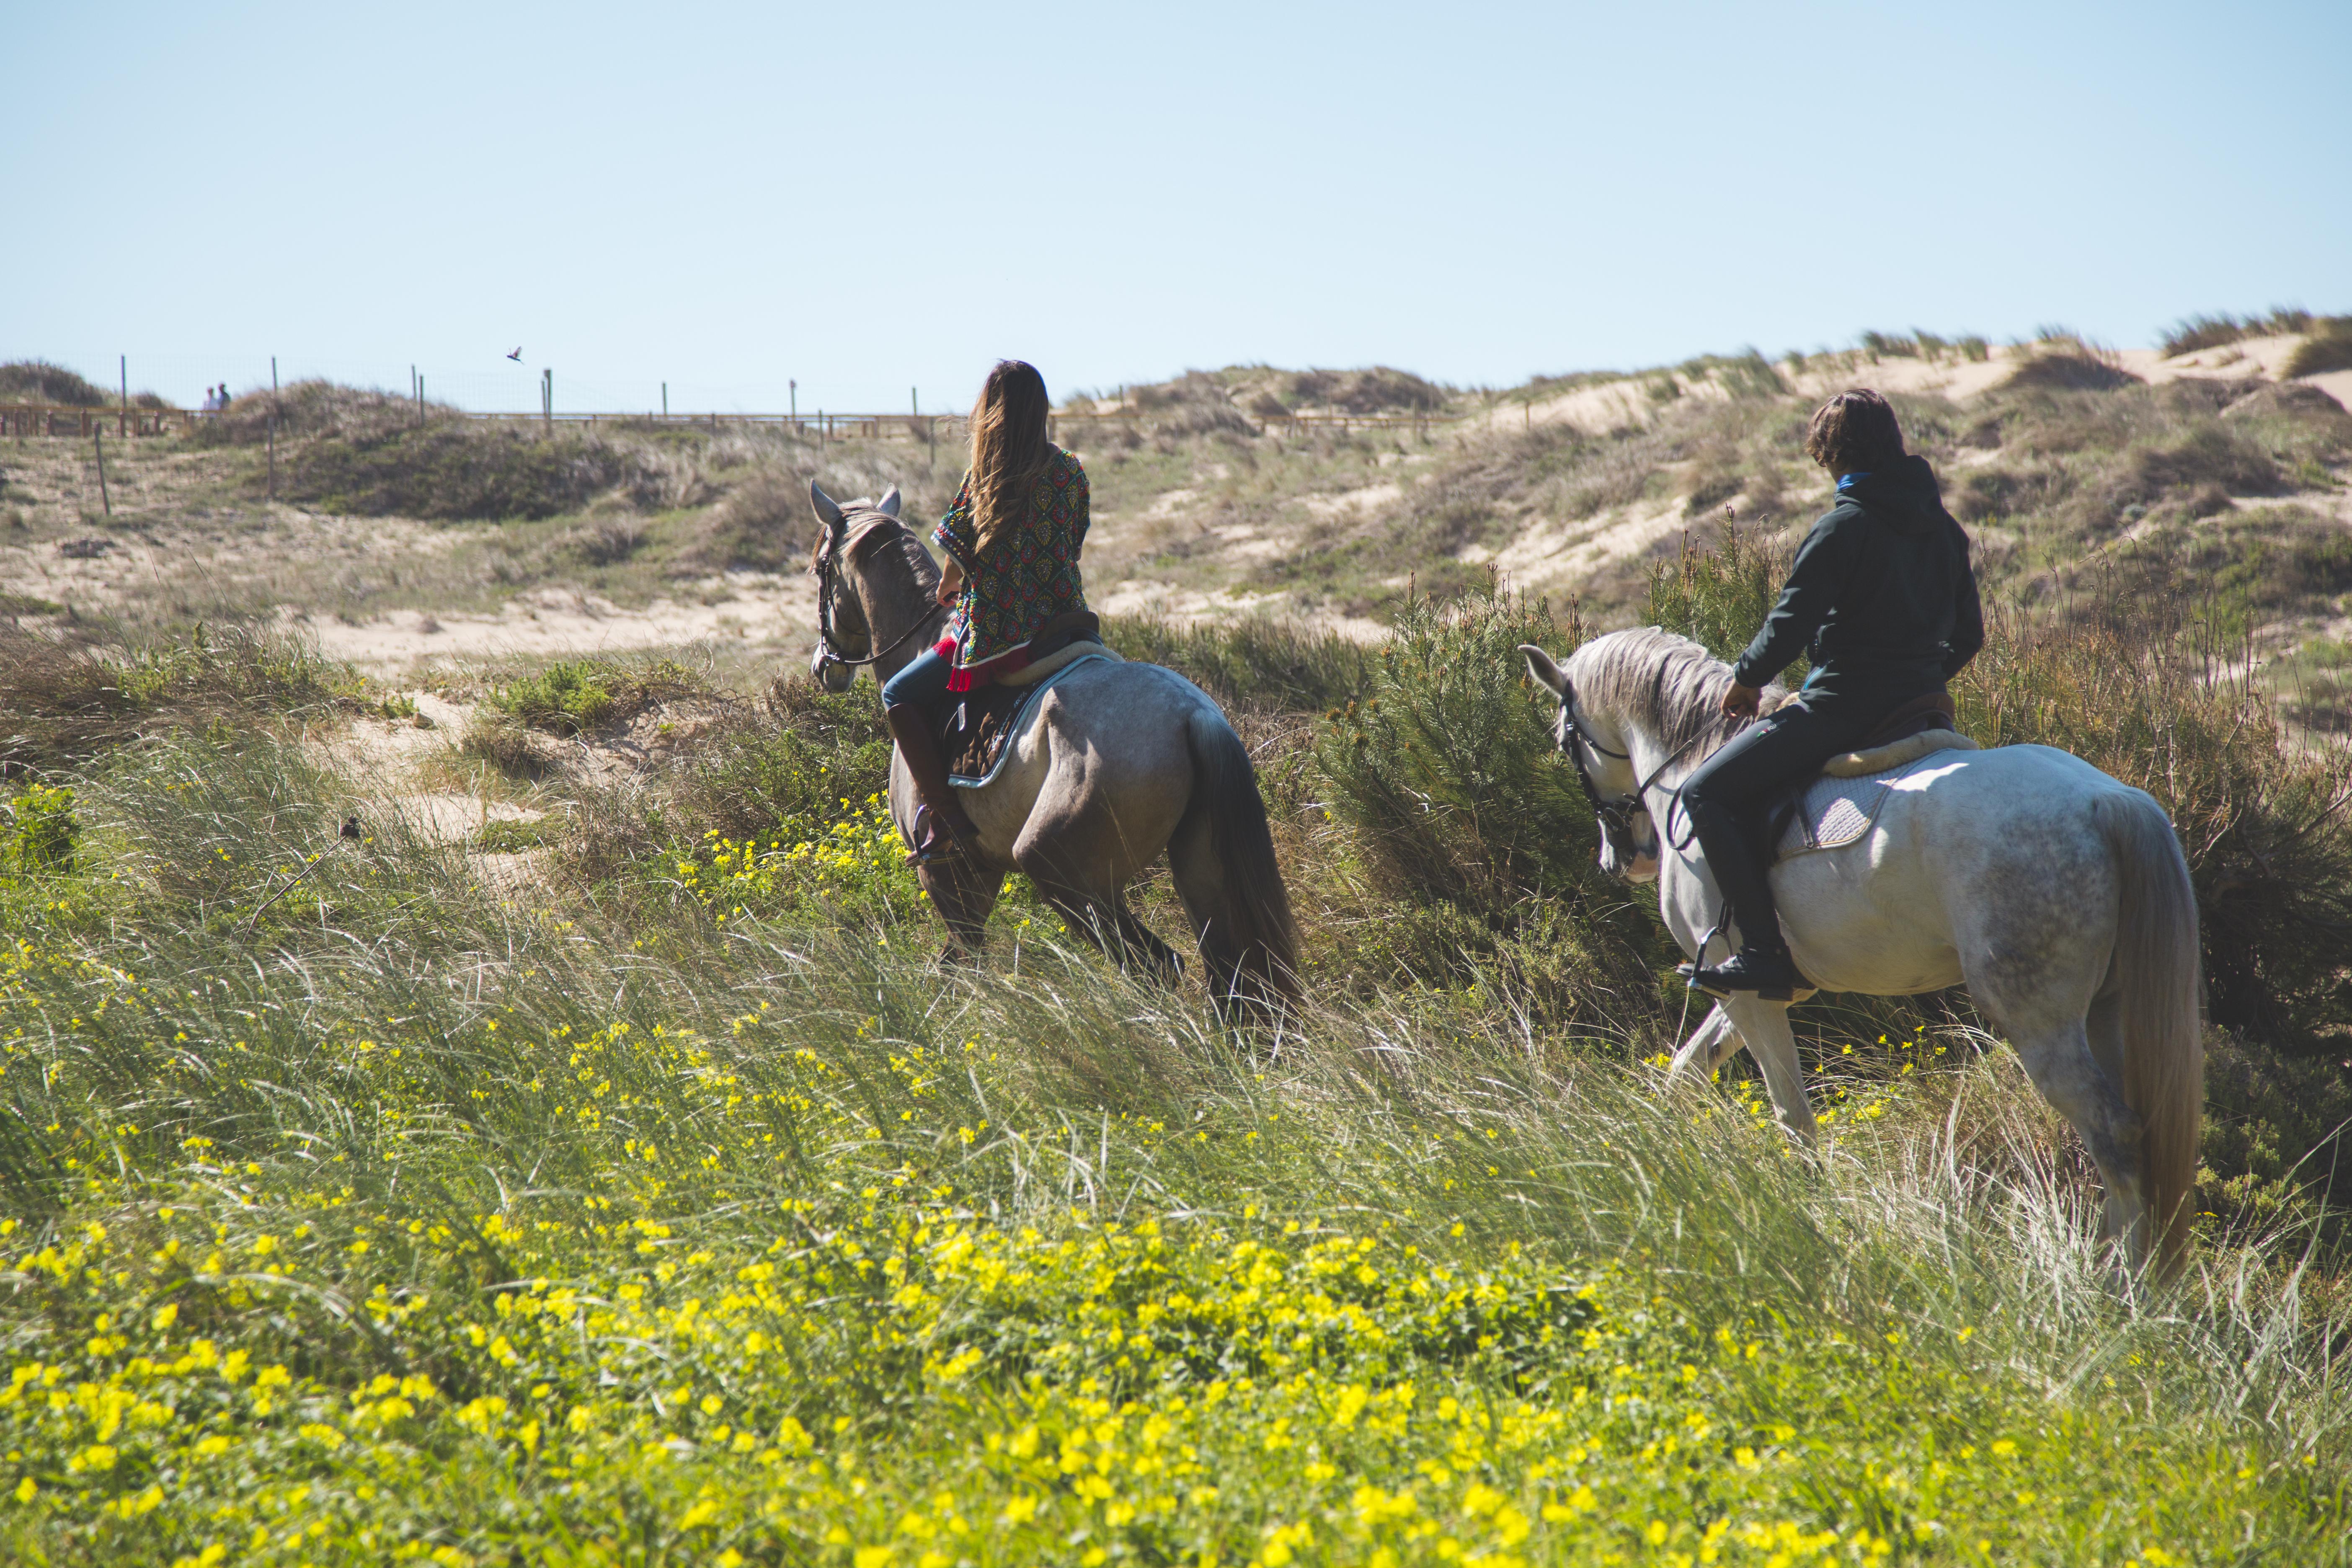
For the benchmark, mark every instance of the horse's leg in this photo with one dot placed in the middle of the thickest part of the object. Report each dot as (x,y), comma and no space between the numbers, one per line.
(2038,966)
(2061,1057)
(1713,1041)
(1100,915)
(2103,1027)
(1075,876)
(963,892)
(1765,1027)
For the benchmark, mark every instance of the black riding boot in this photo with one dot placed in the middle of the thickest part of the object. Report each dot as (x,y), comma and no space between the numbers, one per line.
(950,832)
(1763,964)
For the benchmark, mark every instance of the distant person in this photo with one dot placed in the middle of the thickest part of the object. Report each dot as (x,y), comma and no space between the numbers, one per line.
(211,401)
(1012,538)
(224,397)
(1882,596)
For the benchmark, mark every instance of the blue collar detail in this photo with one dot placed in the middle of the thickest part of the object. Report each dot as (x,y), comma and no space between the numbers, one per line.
(1845,481)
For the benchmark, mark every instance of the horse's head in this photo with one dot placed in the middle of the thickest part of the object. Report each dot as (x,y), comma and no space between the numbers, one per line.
(1596,745)
(844,638)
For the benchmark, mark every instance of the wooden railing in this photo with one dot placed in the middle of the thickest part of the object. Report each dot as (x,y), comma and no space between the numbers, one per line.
(23,419)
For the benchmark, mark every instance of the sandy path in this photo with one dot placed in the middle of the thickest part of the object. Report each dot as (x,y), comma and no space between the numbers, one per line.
(766,614)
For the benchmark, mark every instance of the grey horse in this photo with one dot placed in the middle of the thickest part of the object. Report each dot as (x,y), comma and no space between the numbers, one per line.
(2056,893)
(1113,763)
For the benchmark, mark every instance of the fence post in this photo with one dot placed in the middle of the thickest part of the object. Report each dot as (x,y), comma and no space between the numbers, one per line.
(273,426)
(122,426)
(664,400)
(99,435)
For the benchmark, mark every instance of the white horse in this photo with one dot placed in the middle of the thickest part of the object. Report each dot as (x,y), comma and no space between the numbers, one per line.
(2058,894)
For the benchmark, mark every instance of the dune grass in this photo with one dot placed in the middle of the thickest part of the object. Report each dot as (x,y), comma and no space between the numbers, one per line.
(430,1226)
(2202,332)
(2329,347)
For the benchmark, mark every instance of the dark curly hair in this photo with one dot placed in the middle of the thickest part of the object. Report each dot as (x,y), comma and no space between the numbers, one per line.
(1854,433)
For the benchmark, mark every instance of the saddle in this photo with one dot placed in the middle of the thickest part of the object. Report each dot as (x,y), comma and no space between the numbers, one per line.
(979,723)
(1817,814)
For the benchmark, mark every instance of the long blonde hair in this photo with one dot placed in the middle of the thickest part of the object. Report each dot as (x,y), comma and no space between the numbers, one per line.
(1009,449)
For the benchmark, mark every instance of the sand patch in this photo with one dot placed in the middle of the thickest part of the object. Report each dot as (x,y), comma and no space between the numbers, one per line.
(1358,502)
(760,611)
(1558,552)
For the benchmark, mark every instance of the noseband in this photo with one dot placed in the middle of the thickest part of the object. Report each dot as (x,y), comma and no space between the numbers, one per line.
(825,591)
(1615,816)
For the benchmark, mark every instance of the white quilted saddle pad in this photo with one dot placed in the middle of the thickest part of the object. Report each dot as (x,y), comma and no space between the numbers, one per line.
(1835,812)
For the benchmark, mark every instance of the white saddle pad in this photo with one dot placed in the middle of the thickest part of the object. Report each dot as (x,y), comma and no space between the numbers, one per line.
(1835,812)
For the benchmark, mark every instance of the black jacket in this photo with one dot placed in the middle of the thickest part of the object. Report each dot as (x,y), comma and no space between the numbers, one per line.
(1880,590)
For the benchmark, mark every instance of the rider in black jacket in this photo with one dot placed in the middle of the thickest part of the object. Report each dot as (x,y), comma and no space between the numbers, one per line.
(1882,596)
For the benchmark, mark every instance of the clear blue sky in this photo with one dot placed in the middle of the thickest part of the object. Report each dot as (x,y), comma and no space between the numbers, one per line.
(869,197)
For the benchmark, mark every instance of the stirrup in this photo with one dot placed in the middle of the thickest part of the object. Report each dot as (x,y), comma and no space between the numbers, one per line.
(1772,977)
(941,844)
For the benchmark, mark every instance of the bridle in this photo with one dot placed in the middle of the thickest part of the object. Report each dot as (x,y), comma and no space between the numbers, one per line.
(825,579)
(1616,815)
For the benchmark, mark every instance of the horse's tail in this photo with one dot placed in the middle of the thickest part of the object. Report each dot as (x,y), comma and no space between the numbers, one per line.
(1222,858)
(2155,970)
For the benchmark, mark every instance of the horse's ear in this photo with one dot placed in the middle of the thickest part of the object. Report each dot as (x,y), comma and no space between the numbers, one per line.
(1540,665)
(889,505)
(828,510)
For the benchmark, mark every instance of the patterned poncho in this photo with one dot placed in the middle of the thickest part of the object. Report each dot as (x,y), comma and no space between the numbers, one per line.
(1028,575)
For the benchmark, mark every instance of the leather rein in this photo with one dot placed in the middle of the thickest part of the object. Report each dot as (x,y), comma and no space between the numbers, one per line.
(1616,816)
(825,580)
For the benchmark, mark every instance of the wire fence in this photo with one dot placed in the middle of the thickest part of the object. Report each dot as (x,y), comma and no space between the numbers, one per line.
(518,391)
(493,384)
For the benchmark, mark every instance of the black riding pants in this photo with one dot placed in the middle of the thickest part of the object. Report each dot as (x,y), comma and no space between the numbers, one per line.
(1726,798)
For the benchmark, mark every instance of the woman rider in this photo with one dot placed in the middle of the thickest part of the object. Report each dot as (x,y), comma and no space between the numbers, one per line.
(1882,592)
(1012,540)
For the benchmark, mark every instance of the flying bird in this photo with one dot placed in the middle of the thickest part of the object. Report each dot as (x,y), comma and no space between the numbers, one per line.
(517,355)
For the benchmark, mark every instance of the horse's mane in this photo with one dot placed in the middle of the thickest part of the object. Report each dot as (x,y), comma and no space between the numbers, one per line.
(866,527)
(868,532)
(1668,684)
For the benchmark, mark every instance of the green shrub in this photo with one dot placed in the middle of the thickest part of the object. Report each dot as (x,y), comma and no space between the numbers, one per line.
(38,831)
(1283,663)
(1720,597)
(39,381)
(572,696)
(566,697)
(514,836)
(452,469)
(1474,836)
